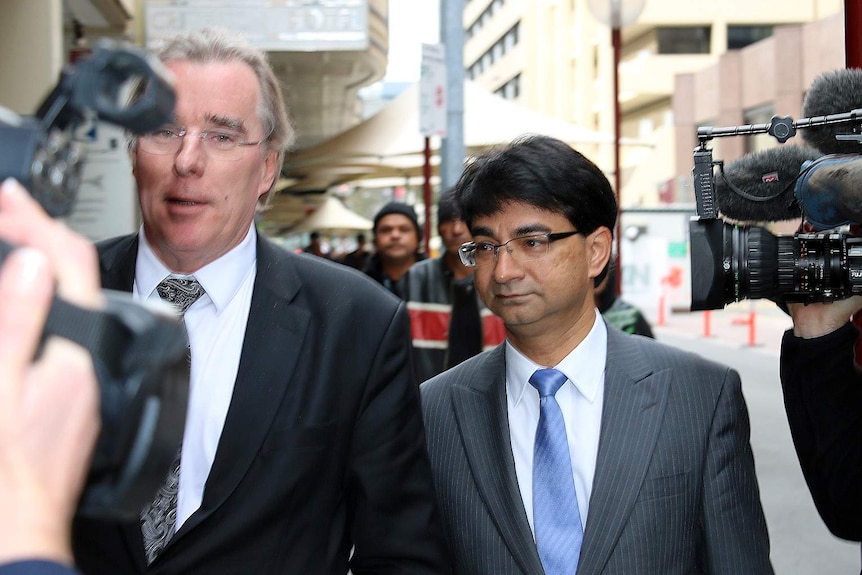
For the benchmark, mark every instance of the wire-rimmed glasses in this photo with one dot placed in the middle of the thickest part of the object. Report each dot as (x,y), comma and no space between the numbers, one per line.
(221,143)
(529,247)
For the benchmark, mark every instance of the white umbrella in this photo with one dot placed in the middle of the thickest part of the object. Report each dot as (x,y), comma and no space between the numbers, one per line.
(332,217)
(389,143)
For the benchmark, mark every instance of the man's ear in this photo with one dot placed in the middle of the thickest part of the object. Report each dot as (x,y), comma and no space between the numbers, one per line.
(269,173)
(599,250)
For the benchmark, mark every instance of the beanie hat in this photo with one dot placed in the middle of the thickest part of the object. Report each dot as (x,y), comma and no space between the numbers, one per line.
(398,208)
(447,207)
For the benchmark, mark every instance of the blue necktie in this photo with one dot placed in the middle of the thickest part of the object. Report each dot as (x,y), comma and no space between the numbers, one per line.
(556,518)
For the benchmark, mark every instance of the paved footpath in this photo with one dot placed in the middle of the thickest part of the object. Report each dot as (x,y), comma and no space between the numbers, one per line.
(732,325)
(800,543)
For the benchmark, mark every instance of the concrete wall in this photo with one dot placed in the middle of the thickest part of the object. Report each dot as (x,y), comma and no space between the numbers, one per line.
(774,72)
(31,52)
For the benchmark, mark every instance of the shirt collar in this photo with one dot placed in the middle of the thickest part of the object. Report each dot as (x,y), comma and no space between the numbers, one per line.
(220,278)
(584,365)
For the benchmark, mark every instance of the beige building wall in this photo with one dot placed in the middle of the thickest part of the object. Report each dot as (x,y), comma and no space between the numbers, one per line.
(31,52)
(770,75)
(565,62)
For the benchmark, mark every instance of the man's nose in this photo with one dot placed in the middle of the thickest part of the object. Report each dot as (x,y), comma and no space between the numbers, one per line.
(191,157)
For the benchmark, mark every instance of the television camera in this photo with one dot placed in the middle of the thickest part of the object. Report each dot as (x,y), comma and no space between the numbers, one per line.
(822,262)
(139,353)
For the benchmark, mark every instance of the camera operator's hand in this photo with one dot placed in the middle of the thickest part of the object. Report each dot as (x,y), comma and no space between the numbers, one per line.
(818,319)
(49,409)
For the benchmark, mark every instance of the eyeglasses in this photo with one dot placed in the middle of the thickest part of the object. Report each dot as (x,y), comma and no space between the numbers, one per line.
(219,143)
(532,247)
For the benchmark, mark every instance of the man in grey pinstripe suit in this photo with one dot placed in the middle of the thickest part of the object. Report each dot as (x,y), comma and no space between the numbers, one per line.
(658,438)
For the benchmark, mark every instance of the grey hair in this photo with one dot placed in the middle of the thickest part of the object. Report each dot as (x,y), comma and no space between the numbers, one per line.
(222,45)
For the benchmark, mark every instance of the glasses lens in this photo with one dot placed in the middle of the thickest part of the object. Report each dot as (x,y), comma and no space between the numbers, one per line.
(220,144)
(530,247)
(220,140)
(467,253)
(162,141)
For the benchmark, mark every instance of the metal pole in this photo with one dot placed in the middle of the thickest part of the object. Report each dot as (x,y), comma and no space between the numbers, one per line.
(426,189)
(852,30)
(452,152)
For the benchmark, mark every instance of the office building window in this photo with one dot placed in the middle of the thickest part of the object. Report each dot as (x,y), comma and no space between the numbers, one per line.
(496,52)
(511,90)
(741,36)
(683,39)
(484,18)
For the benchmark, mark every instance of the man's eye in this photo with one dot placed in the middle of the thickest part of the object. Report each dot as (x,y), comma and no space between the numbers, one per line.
(484,247)
(165,133)
(221,137)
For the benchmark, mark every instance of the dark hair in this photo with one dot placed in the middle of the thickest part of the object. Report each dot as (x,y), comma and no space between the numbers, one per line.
(447,207)
(402,209)
(543,172)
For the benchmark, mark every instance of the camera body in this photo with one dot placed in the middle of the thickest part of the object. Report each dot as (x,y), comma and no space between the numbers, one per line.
(731,262)
(139,353)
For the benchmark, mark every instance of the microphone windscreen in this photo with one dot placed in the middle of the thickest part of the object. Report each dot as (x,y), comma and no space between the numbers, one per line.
(833,92)
(758,187)
(829,191)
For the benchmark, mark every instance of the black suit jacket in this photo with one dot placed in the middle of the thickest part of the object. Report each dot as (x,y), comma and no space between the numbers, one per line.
(823,397)
(321,465)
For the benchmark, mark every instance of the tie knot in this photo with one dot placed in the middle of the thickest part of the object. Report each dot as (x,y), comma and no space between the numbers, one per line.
(547,381)
(180,292)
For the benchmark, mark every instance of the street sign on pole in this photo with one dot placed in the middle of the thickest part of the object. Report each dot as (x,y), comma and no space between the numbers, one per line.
(432,91)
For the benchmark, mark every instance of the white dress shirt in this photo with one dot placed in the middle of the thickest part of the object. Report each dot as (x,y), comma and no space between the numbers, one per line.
(580,398)
(216,326)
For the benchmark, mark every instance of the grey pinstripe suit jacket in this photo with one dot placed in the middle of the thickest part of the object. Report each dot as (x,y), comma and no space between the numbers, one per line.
(674,492)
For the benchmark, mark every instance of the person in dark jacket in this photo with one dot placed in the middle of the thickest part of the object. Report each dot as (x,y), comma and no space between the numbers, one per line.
(397,240)
(618,312)
(822,386)
(448,321)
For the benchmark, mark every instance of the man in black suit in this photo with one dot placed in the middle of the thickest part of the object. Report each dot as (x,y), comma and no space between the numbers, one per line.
(822,386)
(304,448)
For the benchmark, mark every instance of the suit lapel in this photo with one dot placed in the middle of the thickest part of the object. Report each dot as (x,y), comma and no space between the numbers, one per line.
(117,259)
(634,404)
(271,346)
(481,412)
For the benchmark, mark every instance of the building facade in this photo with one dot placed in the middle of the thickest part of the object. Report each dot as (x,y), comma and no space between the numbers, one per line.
(554,56)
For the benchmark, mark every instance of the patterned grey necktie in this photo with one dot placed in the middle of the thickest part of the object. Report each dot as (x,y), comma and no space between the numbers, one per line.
(159,518)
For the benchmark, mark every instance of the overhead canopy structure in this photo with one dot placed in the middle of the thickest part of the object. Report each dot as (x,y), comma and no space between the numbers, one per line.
(390,143)
(332,217)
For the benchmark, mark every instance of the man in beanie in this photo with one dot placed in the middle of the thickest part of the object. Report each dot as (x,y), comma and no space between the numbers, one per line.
(448,321)
(396,243)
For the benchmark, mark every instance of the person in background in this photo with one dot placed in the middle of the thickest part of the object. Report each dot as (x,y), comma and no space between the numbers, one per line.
(358,258)
(573,447)
(822,386)
(397,237)
(303,449)
(49,407)
(448,321)
(315,246)
(618,312)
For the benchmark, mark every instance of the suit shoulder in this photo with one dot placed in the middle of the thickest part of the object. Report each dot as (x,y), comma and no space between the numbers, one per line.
(659,355)
(108,246)
(327,280)
(466,371)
